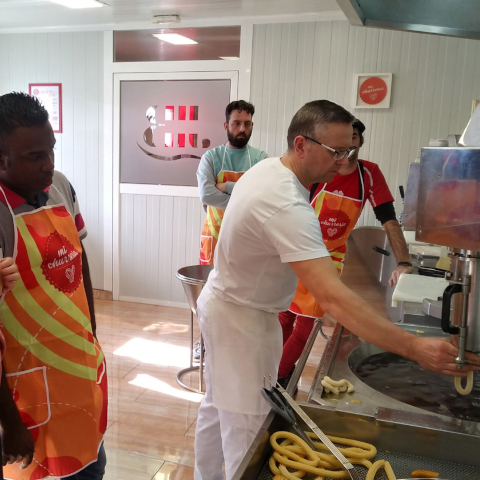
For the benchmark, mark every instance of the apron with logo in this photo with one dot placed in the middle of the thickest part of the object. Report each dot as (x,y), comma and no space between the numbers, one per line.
(55,368)
(213,222)
(337,215)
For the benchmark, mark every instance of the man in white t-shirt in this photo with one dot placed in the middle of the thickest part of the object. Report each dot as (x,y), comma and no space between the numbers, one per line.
(270,238)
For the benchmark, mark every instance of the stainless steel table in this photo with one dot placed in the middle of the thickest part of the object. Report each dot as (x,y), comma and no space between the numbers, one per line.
(193,279)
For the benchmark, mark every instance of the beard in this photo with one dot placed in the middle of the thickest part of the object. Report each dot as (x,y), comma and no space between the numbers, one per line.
(240,141)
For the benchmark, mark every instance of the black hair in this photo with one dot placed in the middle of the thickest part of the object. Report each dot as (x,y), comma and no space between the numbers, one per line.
(17,109)
(241,105)
(360,127)
(314,116)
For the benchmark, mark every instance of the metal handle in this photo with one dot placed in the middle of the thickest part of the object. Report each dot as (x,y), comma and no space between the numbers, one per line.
(446,306)
(382,251)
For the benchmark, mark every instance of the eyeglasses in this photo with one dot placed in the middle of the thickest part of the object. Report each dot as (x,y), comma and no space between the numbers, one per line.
(337,155)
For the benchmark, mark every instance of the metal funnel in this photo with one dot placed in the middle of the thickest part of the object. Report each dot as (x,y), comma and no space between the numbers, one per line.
(193,279)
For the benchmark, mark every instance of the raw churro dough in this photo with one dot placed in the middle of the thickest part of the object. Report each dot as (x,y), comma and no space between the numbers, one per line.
(377,466)
(424,474)
(294,453)
(468,387)
(337,386)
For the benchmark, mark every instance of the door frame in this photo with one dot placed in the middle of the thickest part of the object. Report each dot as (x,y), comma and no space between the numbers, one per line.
(142,189)
(237,71)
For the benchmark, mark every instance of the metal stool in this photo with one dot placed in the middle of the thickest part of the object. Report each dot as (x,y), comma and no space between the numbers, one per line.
(193,279)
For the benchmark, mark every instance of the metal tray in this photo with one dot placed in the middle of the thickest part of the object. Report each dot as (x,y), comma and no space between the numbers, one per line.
(407,446)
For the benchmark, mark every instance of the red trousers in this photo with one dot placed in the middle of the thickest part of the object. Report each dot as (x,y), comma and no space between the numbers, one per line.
(296,330)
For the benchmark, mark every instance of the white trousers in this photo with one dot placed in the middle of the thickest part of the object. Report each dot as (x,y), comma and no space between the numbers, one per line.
(220,436)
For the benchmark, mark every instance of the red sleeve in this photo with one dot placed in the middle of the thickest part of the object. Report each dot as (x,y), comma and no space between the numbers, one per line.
(376,188)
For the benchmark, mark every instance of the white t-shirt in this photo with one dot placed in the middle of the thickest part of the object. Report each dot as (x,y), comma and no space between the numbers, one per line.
(269,223)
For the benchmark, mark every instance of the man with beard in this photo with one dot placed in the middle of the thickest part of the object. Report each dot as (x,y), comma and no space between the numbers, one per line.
(338,205)
(219,170)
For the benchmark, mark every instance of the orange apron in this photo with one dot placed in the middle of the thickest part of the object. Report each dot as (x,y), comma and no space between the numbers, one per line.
(213,222)
(55,367)
(337,216)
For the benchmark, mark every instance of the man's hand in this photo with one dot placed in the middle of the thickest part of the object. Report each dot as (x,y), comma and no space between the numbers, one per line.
(221,186)
(397,272)
(438,355)
(9,273)
(18,445)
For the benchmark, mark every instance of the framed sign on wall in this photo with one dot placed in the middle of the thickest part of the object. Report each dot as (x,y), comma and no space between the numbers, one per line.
(372,90)
(50,96)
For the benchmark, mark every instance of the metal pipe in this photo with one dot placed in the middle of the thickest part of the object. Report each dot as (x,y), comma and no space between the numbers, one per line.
(317,325)
(462,341)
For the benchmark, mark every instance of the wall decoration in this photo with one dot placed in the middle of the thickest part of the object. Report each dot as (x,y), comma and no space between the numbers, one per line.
(50,96)
(372,90)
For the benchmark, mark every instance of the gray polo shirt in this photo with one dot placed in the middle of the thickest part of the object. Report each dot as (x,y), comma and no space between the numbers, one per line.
(60,193)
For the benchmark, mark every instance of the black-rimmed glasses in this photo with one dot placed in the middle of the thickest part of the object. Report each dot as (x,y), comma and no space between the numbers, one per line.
(336,154)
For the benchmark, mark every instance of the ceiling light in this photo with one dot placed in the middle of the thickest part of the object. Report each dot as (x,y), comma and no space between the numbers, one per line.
(79,3)
(230,58)
(175,38)
(166,19)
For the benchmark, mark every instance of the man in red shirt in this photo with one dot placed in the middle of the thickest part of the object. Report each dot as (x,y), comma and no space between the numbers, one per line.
(338,205)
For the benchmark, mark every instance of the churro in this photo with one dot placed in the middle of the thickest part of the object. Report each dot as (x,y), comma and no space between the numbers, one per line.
(337,386)
(468,387)
(292,452)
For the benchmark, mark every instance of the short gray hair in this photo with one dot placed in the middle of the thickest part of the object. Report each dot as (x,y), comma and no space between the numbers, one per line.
(314,116)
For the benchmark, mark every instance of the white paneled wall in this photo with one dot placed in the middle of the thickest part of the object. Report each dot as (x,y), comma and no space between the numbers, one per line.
(76,61)
(435,80)
(158,235)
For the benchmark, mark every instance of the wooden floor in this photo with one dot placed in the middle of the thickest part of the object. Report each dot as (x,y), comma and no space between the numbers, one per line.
(151,421)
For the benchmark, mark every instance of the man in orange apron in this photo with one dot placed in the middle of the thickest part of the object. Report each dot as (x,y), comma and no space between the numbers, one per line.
(53,394)
(338,206)
(219,170)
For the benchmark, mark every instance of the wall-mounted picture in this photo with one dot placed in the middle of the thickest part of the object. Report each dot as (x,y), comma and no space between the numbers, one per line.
(50,96)
(372,90)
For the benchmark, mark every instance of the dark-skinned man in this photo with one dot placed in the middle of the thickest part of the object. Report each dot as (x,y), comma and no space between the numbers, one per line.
(53,398)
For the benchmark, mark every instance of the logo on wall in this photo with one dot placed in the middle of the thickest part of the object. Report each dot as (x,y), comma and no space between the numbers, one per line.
(372,90)
(169,138)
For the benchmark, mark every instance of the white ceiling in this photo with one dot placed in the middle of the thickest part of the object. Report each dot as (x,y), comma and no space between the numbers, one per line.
(41,14)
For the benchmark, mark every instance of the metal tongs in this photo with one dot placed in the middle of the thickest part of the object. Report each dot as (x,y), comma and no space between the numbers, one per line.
(279,405)
(282,403)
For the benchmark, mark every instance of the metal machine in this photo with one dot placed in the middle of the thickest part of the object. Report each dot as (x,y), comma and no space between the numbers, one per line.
(403,398)
(448,213)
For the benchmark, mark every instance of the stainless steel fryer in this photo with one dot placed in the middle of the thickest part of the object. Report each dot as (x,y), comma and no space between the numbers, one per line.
(409,441)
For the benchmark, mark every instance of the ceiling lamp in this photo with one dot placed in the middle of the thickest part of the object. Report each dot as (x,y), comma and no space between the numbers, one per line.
(175,38)
(166,19)
(79,3)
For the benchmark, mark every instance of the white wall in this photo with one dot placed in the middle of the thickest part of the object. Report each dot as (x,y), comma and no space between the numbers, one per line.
(159,235)
(76,61)
(435,80)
